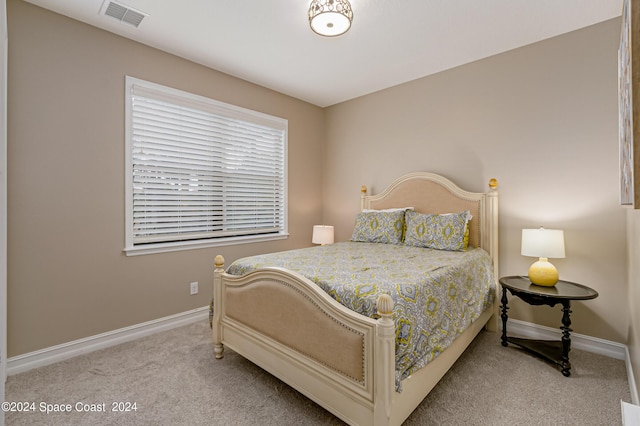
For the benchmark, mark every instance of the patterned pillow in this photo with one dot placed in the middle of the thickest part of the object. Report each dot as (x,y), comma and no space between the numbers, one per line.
(438,231)
(379,227)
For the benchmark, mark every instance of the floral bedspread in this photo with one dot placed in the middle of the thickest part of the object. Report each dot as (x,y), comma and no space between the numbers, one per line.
(437,293)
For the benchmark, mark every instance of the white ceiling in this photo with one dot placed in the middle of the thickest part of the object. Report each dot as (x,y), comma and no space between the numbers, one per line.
(269,42)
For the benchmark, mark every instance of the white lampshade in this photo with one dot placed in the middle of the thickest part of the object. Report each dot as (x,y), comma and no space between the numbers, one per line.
(322,234)
(330,18)
(542,242)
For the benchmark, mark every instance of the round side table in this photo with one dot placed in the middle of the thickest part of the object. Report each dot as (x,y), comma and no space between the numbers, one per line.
(563,292)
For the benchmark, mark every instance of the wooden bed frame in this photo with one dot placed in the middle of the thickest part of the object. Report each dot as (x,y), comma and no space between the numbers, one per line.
(342,360)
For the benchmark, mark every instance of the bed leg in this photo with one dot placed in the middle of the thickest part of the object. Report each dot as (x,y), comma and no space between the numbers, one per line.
(218,349)
(216,327)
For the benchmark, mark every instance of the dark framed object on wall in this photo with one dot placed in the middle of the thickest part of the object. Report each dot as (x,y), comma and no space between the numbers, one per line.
(629,103)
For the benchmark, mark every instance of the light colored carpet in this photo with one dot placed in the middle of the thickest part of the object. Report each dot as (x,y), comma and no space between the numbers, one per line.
(174,380)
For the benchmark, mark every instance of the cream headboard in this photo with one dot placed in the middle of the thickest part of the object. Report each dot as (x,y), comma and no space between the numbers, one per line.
(433,194)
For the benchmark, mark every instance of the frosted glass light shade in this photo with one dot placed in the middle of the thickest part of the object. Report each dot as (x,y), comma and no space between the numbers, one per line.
(330,18)
(322,234)
(544,244)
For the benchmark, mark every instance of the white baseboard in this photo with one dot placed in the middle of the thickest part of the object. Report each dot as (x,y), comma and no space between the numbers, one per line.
(578,341)
(632,381)
(40,358)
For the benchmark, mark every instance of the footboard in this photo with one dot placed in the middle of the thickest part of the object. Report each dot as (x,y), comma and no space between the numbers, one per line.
(287,325)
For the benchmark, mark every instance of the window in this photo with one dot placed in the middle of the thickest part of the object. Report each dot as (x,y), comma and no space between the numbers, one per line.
(200,172)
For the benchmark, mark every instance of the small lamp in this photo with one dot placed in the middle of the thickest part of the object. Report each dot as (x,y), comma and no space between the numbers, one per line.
(322,234)
(544,244)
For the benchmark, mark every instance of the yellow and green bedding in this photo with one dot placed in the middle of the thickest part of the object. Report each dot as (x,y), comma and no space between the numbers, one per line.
(437,293)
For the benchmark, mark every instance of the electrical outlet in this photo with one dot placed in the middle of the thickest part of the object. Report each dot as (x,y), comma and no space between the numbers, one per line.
(194,288)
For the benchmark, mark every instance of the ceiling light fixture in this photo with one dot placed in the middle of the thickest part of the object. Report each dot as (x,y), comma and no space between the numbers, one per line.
(330,18)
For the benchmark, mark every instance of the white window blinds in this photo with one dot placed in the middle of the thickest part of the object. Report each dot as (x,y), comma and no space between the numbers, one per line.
(201,169)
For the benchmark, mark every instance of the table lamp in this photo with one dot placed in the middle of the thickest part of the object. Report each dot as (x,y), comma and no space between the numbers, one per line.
(322,234)
(544,244)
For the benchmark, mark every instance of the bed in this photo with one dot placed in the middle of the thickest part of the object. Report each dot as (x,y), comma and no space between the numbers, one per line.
(359,365)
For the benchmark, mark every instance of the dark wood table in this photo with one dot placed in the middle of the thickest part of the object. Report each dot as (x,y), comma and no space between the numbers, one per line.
(563,292)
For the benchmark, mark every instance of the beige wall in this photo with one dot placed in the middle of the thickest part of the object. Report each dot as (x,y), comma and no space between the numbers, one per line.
(541,119)
(633,296)
(68,277)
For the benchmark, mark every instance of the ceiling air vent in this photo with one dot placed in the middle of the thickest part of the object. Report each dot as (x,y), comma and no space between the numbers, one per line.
(123,13)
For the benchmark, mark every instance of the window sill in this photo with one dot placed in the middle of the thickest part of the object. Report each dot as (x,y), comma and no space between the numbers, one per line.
(193,245)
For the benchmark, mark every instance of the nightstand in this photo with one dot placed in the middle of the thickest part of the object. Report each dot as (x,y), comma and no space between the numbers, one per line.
(563,292)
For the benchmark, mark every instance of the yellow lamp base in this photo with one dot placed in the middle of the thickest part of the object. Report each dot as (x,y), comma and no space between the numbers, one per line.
(543,273)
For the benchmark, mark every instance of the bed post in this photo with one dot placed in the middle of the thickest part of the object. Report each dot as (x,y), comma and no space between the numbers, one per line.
(217,306)
(492,234)
(384,368)
(363,196)
(492,214)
